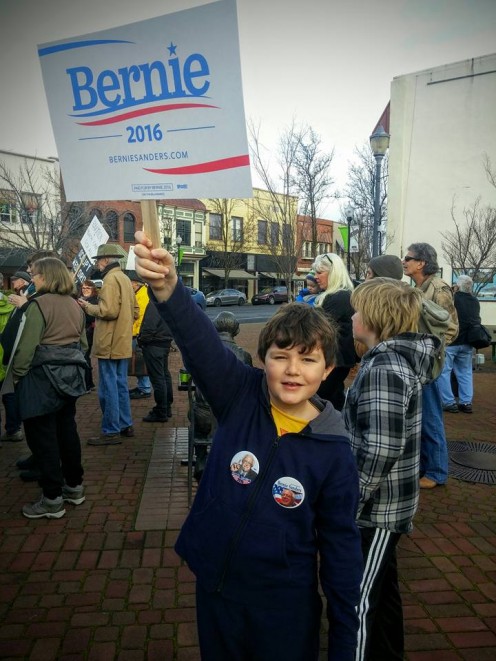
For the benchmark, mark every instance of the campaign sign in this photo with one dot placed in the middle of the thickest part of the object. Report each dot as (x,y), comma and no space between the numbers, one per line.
(151,110)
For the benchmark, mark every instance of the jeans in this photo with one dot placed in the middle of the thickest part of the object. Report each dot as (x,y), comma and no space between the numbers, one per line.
(114,395)
(458,359)
(433,448)
(157,365)
(143,382)
(54,441)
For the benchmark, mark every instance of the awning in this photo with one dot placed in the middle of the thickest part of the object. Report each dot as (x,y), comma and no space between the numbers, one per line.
(234,274)
(273,276)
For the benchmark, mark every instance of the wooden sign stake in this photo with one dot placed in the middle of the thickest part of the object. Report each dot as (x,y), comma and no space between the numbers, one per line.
(150,222)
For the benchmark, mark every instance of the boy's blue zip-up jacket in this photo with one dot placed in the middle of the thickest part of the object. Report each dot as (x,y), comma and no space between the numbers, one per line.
(237,538)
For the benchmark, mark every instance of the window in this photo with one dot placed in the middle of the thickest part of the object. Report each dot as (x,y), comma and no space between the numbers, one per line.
(237,229)
(287,238)
(129,227)
(262,232)
(95,211)
(215,228)
(306,250)
(183,229)
(112,225)
(274,234)
(7,212)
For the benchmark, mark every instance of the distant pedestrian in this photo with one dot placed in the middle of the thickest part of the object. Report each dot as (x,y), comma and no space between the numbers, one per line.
(458,358)
(308,294)
(143,388)
(115,312)
(48,372)
(334,298)
(420,263)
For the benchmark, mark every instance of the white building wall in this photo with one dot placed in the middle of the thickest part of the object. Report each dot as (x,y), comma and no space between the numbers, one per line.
(443,121)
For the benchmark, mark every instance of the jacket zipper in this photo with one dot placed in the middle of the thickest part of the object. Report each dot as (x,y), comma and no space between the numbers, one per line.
(244,519)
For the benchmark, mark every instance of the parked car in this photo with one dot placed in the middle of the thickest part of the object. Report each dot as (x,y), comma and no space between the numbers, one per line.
(226,297)
(198,297)
(271,295)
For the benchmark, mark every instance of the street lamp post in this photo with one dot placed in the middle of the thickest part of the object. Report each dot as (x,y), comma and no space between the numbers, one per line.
(379,142)
(349,218)
(179,240)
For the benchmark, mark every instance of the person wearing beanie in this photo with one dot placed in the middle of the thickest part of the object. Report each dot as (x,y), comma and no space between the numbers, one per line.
(385,266)
(310,291)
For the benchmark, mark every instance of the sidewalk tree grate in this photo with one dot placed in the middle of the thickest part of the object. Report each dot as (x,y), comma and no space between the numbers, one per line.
(472,462)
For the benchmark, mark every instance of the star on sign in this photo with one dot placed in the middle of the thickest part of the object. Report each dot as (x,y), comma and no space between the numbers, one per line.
(172,49)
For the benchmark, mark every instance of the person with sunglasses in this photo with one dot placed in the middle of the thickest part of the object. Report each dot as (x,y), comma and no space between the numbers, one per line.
(335,293)
(421,265)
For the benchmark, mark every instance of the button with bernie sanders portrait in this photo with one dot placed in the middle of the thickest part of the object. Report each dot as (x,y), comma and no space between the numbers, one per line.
(288,492)
(244,467)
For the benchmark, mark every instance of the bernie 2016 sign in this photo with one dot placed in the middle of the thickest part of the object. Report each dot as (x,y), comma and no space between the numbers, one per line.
(151,110)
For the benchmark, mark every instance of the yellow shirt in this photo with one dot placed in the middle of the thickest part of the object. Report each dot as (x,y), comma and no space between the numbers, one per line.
(142,300)
(286,424)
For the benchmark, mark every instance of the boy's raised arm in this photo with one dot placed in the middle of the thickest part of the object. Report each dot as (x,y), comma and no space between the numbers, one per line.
(156,267)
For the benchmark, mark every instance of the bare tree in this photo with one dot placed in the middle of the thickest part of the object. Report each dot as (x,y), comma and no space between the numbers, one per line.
(312,176)
(32,215)
(278,207)
(229,234)
(471,246)
(360,190)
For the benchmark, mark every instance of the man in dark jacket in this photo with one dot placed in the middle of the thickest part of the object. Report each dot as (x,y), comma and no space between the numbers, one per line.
(459,353)
(155,340)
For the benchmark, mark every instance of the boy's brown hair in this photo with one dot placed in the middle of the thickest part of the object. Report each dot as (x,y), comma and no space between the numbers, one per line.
(388,307)
(299,324)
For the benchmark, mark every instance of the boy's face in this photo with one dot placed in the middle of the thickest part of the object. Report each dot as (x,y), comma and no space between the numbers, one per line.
(361,332)
(294,377)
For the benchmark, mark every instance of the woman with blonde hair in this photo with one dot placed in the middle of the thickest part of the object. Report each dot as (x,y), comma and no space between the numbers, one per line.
(48,373)
(336,288)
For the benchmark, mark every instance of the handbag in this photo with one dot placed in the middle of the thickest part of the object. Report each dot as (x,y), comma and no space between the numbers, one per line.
(136,365)
(479,337)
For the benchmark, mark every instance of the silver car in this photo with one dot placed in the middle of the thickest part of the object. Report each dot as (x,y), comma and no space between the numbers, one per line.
(226,297)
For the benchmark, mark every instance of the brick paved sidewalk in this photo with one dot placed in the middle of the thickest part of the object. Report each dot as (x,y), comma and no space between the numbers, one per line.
(104,582)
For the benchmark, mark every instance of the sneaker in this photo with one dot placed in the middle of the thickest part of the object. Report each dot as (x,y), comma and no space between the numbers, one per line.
(15,437)
(154,417)
(32,475)
(74,495)
(105,439)
(26,463)
(139,394)
(465,408)
(128,432)
(45,508)
(450,408)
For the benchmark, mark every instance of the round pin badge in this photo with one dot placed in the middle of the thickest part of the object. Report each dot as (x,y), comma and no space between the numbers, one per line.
(244,467)
(288,492)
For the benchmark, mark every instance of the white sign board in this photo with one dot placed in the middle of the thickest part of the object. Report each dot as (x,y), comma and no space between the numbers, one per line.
(152,109)
(94,236)
(83,263)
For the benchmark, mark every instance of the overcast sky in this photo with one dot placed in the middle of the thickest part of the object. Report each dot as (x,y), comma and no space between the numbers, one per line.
(327,63)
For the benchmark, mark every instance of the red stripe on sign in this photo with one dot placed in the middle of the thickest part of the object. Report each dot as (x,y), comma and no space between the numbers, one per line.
(211,166)
(144,111)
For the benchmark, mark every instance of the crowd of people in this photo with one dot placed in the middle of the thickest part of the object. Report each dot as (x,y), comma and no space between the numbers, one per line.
(305,479)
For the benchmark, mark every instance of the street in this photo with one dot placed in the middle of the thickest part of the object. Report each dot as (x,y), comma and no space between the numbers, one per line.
(246,314)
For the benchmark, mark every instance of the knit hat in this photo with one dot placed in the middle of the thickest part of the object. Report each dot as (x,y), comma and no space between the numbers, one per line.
(21,274)
(386,266)
(310,276)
